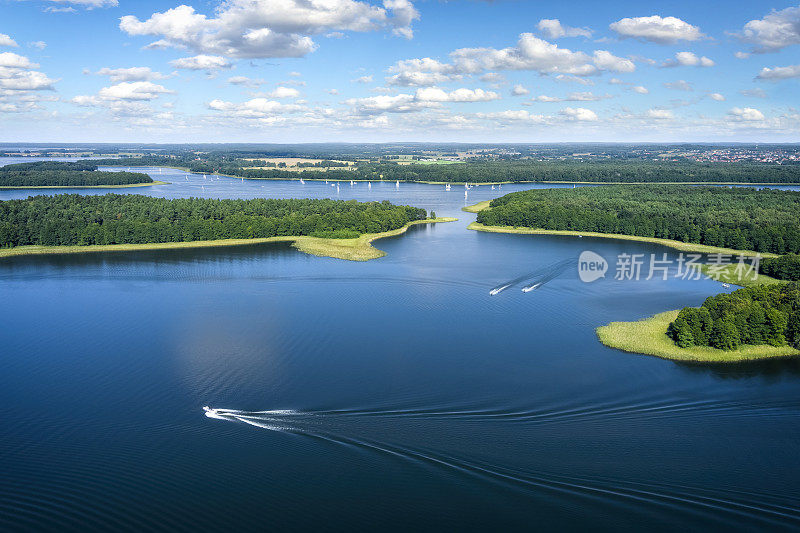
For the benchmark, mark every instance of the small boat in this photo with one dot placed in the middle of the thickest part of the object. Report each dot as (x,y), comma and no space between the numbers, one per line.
(397,184)
(726,286)
(369,185)
(302,182)
(529,288)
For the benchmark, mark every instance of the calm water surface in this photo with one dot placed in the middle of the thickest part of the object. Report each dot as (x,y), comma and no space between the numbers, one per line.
(392,394)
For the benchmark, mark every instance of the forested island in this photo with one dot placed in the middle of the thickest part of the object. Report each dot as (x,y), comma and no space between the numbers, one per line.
(765,314)
(488,171)
(70,223)
(739,218)
(67,174)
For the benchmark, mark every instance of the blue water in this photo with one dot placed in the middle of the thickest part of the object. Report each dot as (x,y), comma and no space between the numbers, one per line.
(392,394)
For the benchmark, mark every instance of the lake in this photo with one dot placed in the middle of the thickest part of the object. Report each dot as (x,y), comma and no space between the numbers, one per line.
(394,394)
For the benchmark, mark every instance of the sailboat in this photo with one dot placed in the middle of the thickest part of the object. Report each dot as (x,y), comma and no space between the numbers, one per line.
(351,183)
(302,182)
(492,187)
(369,185)
(397,184)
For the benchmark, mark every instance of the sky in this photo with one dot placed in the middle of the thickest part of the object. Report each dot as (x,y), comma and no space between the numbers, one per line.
(291,71)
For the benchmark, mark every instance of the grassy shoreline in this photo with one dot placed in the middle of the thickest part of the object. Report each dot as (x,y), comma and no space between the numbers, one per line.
(649,337)
(125,186)
(357,249)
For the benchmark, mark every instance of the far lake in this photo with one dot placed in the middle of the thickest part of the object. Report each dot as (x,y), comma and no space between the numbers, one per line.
(394,394)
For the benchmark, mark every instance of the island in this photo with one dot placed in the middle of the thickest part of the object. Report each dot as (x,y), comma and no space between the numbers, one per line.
(72,174)
(71,223)
(759,321)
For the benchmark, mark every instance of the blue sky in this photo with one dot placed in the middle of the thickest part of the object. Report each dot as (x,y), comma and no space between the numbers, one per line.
(398,70)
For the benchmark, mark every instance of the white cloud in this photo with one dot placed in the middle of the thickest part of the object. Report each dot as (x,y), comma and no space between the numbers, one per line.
(5,40)
(41,45)
(753,93)
(717,96)
(332,91)
(16,74)
(88,4)
(656,29)
(779,73)
(12,60)
(512,116)
(605,60)
(284,92)
(553,29)
(580,114)
(60,10)
(424,98)
(24,80)
(363,79)
(747,114)
(135,90)
(641,90)
(268,28)
(434,94)
(131,74)
(530,53)
(262,109)
(660,114)
(519,90)
(201,62)
(573,97)
(777,30)
(404,14)
(245,81)
(680,85)
(741,55)
(688,59)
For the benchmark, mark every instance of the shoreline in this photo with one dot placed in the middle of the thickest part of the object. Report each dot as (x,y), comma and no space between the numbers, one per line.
(649,337)
(10,187)
(427,182)
(678,245)
(355,249)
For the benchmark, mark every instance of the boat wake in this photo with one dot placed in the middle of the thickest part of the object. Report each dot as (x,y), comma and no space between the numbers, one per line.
(726,506)
(535,279)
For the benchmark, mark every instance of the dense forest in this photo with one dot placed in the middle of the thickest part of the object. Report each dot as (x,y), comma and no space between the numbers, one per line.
(765,314)
(483,171)
(742,218)
(70,219)
(65,174)
(784,267)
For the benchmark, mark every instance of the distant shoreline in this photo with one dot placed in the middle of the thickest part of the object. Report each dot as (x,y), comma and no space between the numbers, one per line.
(356,249)
(9,187)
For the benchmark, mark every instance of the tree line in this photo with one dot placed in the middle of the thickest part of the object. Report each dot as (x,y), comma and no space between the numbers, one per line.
(740,218)
(785,267)
(517,170)
(65,174)
(765,314)
(71,219)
